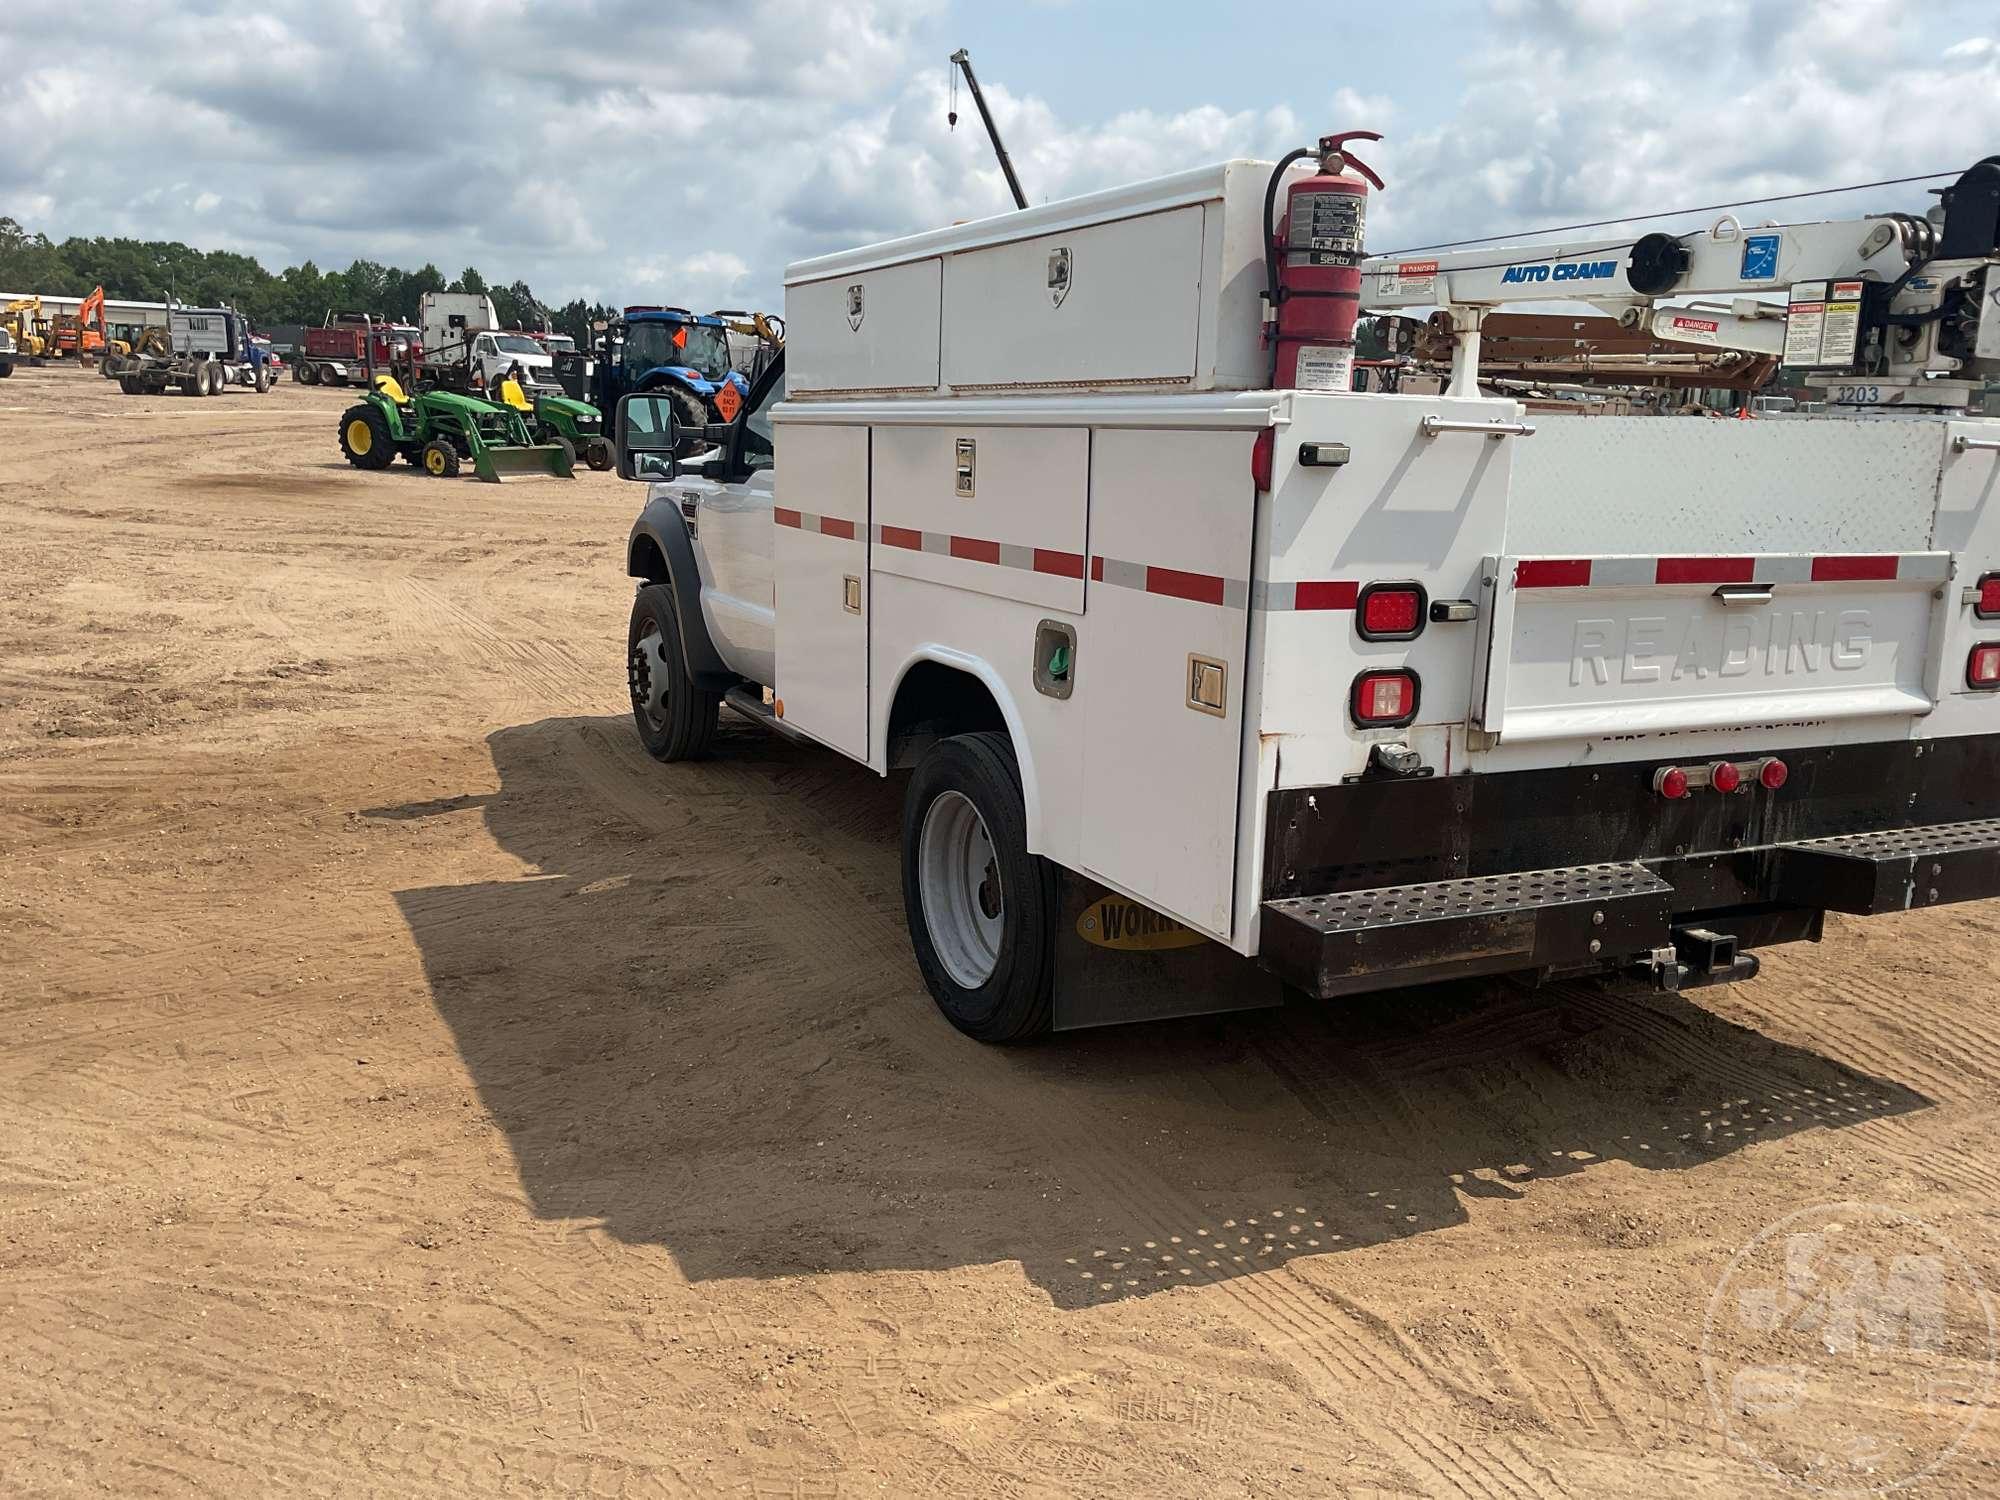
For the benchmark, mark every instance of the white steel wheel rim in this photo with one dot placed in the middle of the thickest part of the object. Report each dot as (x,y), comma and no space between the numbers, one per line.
(653,696)
(958,877)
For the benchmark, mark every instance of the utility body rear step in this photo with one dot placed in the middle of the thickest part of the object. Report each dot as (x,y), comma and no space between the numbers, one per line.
(1615,915)
(1899,868)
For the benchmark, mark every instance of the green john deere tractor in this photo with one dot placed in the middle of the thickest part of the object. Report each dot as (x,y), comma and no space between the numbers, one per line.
(440,430)
(576,423)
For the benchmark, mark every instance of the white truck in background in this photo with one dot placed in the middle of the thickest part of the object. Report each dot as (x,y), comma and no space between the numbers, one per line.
(465,346)
(1208,690)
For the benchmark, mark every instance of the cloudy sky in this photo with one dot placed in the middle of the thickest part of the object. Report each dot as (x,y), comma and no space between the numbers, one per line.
(646,150)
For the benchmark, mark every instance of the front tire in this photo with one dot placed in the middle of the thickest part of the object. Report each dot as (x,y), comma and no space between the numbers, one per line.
(981,908)
(597,453)
(674,717)
(439,459)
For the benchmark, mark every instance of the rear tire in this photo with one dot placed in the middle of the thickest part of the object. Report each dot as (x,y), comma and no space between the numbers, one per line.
(675,718)
(216,376)
(691,416)
(306,374)
(364,438)
(129,384)
(981,908)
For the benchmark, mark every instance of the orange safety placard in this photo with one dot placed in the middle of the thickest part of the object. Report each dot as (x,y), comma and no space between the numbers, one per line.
(727,402)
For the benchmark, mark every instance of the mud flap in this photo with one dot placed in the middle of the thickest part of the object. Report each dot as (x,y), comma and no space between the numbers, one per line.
(1118,960)
(490,461)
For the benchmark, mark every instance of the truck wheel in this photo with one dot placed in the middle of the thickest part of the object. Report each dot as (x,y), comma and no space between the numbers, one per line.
(265,380)
(216,376)
(193,385)
(439,459)
(129,384)
(364,438)
(307,373)
(676,719)
(597,453)
(981,908)
(6,369)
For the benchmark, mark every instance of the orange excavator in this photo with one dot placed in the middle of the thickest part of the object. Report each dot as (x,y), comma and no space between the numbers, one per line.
(75,333)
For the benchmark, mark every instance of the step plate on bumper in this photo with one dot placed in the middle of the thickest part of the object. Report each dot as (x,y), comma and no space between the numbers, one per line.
(1350,941)
(1895,870)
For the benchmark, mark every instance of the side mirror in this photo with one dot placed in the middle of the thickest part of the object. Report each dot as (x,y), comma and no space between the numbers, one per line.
(645,436)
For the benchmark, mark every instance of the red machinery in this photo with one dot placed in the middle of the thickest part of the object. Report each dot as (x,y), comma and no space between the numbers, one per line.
(1314,266)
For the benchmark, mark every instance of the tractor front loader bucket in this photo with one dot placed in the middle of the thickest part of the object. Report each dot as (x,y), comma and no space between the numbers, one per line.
(490,460)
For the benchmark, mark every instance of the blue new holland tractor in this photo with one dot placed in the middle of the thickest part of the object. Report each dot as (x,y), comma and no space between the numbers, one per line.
(671,349)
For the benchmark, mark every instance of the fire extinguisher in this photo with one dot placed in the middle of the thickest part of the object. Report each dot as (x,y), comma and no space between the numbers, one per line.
(1313,266)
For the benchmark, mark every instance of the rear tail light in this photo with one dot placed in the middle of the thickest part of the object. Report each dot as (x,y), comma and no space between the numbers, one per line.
(1773,773)
(1672,783)
(1724,776)
(1390,611)
(1262,452)
(1986,605)
(1982,668)
(1384,700)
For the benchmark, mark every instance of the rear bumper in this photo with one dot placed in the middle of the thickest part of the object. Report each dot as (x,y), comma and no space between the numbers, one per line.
(1672,889)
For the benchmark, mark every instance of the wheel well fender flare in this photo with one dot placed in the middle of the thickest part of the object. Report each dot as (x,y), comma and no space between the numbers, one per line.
(1003,699)
(660,551)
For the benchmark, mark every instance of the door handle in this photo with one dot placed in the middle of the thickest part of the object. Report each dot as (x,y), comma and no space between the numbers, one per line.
(1744,593)
(1434,424)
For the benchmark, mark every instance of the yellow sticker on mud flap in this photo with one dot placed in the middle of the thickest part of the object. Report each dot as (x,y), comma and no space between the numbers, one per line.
(1130,927)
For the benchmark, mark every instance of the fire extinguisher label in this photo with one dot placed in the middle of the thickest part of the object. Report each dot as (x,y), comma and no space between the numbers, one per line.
(1325,367)
(1326,221)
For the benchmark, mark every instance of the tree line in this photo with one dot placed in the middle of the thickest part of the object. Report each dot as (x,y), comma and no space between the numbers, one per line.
(166,270)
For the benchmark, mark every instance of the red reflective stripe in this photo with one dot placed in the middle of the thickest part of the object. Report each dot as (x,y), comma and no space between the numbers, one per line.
(1097,570)
(828,526)
(1854,569)
(973,550)
(785,517)
(1705,570)
(1202,588)
(1062,564)
(1553,573)
(1325,594)
(902,536)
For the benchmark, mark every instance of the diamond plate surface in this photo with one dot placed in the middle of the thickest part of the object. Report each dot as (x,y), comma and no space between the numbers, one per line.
(1680,485)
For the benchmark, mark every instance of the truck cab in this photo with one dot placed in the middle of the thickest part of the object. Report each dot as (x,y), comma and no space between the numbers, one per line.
(494,353)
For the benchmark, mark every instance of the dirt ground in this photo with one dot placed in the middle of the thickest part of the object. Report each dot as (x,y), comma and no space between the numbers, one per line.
(409,1088)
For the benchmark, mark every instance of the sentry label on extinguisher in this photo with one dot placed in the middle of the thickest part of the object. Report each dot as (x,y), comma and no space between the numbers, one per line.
(1325,367)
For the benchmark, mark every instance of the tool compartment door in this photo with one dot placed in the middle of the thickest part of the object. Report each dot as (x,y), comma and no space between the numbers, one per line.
(1160,665)
(1592,646)
(819,564)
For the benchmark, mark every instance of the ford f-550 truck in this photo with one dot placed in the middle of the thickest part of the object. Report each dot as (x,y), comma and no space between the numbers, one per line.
(1206,689)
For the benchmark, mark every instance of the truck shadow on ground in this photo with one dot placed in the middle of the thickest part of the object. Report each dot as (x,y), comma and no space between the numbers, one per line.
(699,1025)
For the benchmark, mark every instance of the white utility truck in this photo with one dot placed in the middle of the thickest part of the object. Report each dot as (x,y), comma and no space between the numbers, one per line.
(1208,689)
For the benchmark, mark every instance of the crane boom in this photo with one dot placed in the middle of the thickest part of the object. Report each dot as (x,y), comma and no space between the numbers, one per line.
(963,61)
(1902,300)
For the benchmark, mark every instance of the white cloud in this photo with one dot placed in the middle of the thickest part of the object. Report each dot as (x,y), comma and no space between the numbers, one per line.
(664,152)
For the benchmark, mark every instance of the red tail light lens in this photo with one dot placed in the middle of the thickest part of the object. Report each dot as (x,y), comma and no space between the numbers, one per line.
(1261,454)
(1987,605)
(1671,783)
(1773,774)
(1982,668)
(1390,611)
(1724,776)
(1384,700)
